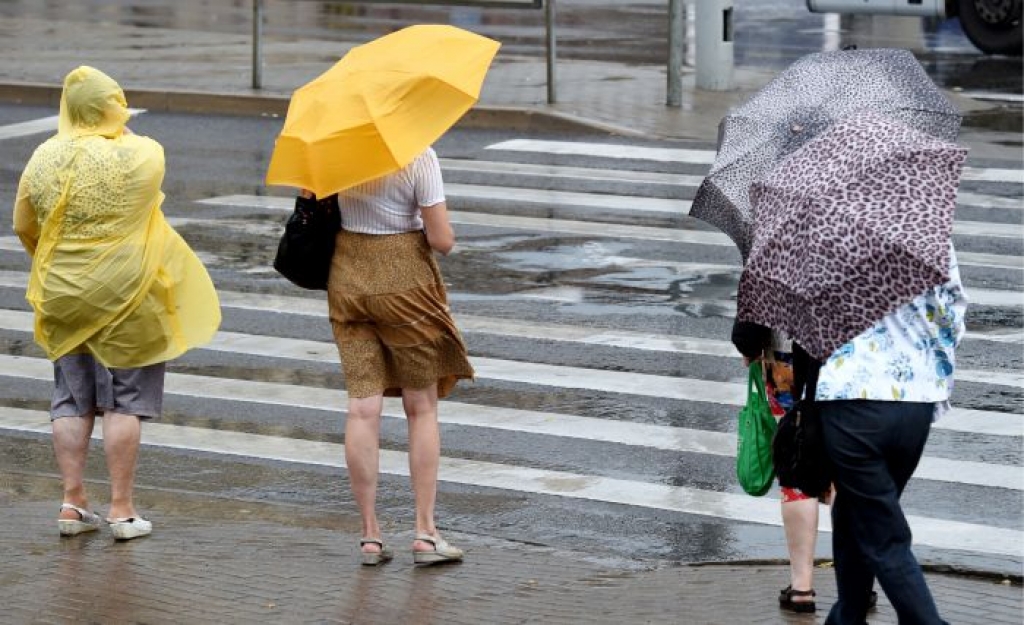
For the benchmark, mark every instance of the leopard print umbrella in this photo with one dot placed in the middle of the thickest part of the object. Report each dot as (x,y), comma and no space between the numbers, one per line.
(850,226)
(812,94)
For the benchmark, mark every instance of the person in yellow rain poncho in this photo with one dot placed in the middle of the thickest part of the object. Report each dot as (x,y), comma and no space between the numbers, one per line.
(116,291)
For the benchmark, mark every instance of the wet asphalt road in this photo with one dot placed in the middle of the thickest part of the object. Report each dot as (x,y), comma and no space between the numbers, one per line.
(520,277)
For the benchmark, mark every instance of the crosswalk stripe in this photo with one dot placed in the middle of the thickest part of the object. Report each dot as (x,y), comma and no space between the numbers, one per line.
(628,204)
(678,235)
(607,150)
(984,297)
(996,97)
(545,224)
(581,227)
(695,157)
(561,226)
(569,426)
(966,198)
(607,201)
(987,297)
(309,306)
(570,173)
(985,174)
(686,389)
(38,126)
(672,180)
(682,181)
(705,237)
(939,533)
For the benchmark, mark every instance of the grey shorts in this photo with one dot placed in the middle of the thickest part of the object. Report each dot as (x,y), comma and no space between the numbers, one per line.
(83,386)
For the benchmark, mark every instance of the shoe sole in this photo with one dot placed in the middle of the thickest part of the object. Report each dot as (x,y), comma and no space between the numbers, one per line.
(375,559)
(69,527)
(433,558)
(800,607)
(128,533)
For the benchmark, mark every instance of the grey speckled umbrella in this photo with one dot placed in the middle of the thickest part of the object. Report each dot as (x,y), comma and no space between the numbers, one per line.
(806,98)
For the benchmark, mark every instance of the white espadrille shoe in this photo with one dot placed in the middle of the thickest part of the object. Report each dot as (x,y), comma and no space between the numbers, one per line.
(127,529)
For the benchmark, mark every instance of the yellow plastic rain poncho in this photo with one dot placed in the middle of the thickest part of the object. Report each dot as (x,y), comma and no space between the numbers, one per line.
(109,275)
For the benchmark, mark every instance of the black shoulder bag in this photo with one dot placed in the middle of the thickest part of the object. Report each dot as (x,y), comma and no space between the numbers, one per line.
(307,245)
(798,448)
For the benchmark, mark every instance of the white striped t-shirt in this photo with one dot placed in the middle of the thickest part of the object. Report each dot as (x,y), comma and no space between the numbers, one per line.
(391,204)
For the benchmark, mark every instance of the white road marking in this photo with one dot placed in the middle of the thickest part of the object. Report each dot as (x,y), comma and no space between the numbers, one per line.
(553,199)
(670,387)
(570,173)
(38,126)
(695,157)
(607,150)
(589,228)
(939,533)
(317,307)
(993,174)
(700,237)
(993,96)
(966,198)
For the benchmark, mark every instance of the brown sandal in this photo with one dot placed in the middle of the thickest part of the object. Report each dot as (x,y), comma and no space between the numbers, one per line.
(786,600)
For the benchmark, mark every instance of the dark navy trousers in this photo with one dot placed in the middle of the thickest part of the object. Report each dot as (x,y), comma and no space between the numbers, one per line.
(874,447)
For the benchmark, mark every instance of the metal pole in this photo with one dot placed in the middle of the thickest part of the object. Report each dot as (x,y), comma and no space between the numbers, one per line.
(257,44)
(549,24)
(714,45)
(675,52)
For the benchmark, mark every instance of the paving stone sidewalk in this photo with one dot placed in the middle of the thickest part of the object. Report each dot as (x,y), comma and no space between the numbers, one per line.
(214,560)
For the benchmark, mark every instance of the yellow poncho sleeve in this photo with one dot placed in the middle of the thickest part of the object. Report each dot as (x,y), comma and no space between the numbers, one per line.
(109,275)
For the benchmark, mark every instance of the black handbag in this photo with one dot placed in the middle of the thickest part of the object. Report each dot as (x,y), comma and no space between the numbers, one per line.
(798,448)
(307,245)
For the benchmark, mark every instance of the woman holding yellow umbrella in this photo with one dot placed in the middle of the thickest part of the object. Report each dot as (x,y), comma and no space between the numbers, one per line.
(363,131)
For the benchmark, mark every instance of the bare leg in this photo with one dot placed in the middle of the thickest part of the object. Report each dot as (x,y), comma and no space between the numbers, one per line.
(800,519)
(121,436)
(362,456)
(424,455)
(71,448)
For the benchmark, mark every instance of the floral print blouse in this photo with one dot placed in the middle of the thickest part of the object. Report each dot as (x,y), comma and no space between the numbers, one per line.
(907,356)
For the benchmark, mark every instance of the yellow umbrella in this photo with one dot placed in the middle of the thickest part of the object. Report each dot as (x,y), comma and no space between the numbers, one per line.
(379,107)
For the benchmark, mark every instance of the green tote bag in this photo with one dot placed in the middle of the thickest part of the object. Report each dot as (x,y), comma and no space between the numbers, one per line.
(754,441)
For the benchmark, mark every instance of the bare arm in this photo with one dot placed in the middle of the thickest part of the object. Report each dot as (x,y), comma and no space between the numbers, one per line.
(440,234)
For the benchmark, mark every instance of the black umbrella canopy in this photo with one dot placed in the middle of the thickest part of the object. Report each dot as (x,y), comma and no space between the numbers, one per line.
(797,105)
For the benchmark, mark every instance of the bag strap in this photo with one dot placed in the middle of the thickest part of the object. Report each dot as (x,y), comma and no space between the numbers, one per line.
(805,373)
(755,380)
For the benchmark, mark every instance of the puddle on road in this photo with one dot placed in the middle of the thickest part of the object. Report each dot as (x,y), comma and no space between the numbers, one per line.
(580,272)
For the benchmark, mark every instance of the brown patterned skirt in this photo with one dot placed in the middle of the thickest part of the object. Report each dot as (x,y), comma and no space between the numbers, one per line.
(390,317)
